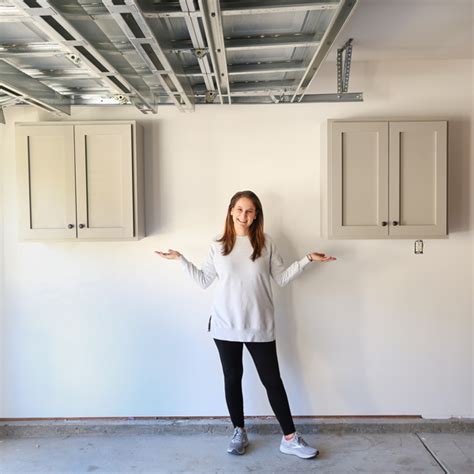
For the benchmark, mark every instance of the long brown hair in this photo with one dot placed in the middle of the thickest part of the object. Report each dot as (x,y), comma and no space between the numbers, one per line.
(256,235)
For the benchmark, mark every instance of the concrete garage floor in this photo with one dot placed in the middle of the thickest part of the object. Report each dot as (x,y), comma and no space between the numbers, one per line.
(197,448)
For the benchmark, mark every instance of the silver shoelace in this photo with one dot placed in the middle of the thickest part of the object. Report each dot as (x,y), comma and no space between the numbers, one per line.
(238,435)
(299,440)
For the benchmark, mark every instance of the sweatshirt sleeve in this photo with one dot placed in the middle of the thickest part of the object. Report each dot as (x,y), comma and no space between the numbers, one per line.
(279,273)
(204,276)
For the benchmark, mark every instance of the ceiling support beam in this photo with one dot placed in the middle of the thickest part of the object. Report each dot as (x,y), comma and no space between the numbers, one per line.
(170,14)
(36,49)
(257,42)
(53,23)
(258,97)
(273,98)
(199,45)
(338,20)
(130,19)
(269,42)
(11,14)
(212,21)
(18,85)
(345,97)
(57,74)
(266,68)
(263,68)
(255,87)
(250,8)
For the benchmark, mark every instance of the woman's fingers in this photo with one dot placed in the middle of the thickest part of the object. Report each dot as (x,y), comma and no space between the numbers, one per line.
(171,254)
(162,254)
(322,257)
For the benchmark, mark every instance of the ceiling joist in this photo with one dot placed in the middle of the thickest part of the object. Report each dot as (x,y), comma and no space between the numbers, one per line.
(212,21)
(199,44)
(240,8)
(130,19)
(18,85)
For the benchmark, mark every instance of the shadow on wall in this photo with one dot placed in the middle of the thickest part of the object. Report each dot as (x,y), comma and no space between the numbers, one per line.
(459,170)
(155,212)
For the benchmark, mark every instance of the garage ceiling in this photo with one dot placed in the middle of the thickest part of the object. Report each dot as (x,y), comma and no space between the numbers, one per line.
(54,54)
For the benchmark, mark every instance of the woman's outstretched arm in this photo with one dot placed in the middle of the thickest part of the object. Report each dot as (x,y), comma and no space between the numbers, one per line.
(204,276)
(283,275)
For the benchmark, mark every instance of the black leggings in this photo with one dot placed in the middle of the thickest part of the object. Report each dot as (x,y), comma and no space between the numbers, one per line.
(265,358)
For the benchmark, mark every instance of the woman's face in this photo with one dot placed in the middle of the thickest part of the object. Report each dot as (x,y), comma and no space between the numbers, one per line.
(243,214)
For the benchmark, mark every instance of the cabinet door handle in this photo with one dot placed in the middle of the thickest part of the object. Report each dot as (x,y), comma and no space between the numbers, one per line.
(395,222)
(384,223)
(70,226)
(81,226)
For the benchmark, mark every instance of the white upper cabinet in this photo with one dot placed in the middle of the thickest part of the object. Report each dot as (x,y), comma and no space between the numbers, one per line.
(386,179)
(80,181)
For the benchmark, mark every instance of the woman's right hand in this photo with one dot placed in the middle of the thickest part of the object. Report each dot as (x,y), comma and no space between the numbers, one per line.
(170,255)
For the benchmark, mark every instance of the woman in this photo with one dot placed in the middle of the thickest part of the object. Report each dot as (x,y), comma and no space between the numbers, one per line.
(243,260)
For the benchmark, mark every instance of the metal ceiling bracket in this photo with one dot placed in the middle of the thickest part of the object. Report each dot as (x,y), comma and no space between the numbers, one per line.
(74,58)
(53,23)
(17,84)
(343,81)
(121,99)
(341,15)
(212,21)
(200,52)
(129,17)
(274,99)
(346,97)
(210,97)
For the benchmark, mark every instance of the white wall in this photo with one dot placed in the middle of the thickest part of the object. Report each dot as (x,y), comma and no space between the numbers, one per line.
(110,329)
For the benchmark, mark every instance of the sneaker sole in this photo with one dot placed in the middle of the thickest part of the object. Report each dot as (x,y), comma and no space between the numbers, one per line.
(285,451)
(236,451)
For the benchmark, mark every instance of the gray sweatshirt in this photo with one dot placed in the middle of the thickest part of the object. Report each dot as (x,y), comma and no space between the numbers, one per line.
(242,309)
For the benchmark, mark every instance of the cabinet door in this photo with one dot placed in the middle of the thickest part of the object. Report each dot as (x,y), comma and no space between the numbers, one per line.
(46,185)
(358,179)
(418,178)
(104,180)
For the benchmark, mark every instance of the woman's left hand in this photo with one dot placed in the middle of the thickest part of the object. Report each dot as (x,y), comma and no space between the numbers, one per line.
(321,257)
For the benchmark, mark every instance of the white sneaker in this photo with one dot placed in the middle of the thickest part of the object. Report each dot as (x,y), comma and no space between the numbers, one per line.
(298,446)
(239,441)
